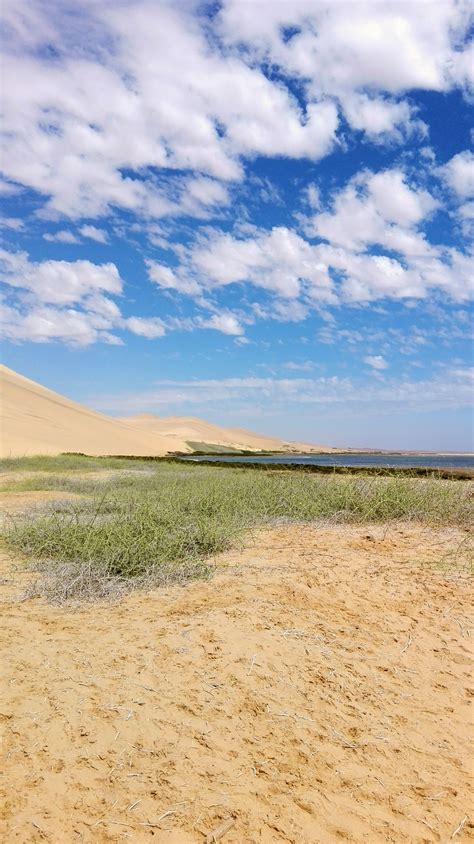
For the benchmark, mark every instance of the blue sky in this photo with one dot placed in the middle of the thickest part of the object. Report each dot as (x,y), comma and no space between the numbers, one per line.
(256,212)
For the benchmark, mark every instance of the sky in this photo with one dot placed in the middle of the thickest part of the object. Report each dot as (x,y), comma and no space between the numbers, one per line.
(259,212)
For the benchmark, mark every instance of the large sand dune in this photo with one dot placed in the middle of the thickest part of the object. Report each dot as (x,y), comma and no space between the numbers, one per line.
(195,430)
(35,420)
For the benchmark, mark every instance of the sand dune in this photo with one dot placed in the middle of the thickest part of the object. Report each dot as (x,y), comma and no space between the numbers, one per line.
(35,420)
(196,430)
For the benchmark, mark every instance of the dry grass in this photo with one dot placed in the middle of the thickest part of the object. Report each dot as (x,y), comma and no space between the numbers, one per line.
(160,525)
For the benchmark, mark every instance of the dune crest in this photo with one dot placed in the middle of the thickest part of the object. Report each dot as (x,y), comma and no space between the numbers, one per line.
(35,420)
(195,430)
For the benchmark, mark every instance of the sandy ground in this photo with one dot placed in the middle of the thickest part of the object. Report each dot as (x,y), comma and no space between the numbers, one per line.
(316,691)
(13,503)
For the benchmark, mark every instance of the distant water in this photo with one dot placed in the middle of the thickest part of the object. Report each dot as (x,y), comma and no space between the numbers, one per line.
(406,461)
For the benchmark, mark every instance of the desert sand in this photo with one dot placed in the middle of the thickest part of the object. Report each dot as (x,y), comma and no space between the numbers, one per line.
(315,691)
(192,429)
(35,420)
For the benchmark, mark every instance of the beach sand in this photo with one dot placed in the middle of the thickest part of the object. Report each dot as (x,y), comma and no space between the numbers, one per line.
(315,691)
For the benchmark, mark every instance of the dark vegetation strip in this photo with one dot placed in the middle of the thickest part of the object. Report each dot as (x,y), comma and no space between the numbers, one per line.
(455,473)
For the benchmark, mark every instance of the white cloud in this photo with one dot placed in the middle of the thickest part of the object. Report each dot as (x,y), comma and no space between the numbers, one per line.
(93,233)
(372,246)
(59,282)
(60,300)
(227,323)
(43,324)
(151,327)
(459,174)
(447,389)
(369,208)
(376,362)
(13,223)
(338,47)
(465,214)
(300,366)
(168,279)
(125,90)
(381,119)
(62,236)
(279,261)
(207,191)
(77,121)
(72,301)
(8,188)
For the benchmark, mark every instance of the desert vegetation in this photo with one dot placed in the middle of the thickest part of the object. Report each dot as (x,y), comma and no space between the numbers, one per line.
(139,523)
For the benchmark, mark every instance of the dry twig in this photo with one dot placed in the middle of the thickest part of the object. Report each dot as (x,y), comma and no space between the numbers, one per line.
(220,831)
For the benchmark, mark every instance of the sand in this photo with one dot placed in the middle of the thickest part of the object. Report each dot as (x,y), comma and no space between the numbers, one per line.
(35,420)
(316,691)
(196,430)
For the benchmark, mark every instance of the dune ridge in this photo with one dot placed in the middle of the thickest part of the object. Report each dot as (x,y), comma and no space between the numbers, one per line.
(36,420)
(193,429)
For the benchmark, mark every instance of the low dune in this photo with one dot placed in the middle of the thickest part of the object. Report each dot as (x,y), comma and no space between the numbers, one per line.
(200,431)
(35,420)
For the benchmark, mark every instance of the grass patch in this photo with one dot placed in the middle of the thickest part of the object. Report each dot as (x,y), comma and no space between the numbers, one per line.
(66,463)
(212,448)
(163,525)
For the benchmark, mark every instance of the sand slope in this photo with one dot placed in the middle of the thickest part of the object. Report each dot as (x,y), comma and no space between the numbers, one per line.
(316,692)
(199,430)
(35,420)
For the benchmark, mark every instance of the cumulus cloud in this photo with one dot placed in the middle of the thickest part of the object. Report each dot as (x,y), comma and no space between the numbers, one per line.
(93,233)
(227,323)
(279,261)
(376,362)
(43,324)
(103,97)
(74,301)
(373,208)
(158,109)
(381,119)
(371,246)
(151,327)
(59,282)
(62,236)
(81,117)
(458,173)
(60,300)
(338,47)
(13,223)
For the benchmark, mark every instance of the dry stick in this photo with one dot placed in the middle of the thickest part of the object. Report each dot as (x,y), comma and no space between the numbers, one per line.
(132,806)
(410,640)
(252,664)
(41,831)
(161,818)
(460,827)
(220,831)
